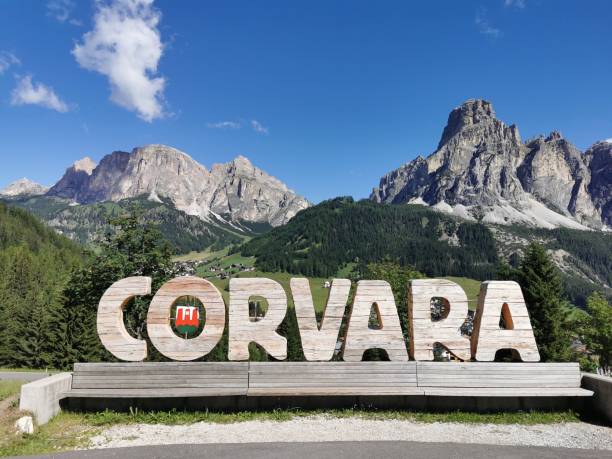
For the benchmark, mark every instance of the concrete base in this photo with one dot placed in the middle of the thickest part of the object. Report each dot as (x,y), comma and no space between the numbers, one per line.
(42,397)
(243,403)
(601,402)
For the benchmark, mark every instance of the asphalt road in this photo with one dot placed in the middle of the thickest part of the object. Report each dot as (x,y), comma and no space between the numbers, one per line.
(23,375)
(337,450)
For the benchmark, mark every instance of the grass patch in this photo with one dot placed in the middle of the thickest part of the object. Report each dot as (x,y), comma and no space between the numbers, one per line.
(66,431)
(9,388)
(471,287)
(174,417)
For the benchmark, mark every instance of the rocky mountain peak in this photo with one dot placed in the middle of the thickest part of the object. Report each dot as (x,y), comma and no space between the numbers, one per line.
(482,170)
(23,187)
(235,191)
(469,113)
(554,135)
(599,160)
(85,164)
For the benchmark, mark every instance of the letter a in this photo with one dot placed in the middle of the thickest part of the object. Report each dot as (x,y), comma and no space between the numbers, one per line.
(360,337)
(497,299)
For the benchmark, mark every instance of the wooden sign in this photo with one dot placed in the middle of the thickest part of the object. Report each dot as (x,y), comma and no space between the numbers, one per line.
(319,340)
(502,300)
(243,329)
(424,332)
(111,328)
(501,322)
(160,330)
(377,295)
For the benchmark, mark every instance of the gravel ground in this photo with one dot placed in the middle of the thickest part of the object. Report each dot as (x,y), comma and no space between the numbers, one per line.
(322,428)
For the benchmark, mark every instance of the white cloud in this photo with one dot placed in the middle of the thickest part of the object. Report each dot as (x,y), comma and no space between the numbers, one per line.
(258,127)
(126,47)
(28,93)
(61,10)
(608,140)
(225,125)
(7,60)
(520,4)
(484,27)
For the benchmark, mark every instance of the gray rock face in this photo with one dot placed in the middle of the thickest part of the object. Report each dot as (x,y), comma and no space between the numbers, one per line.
(599,159)
(23,187)
(482,169)
(236,191)
(74,180)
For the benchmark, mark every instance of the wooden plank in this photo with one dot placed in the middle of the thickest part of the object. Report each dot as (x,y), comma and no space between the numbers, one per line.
(370,391)
(506,392)
(110,325)
(360,338)
(333,378)
(155,393)
(319,341)
(158,318)
(425,333)
(208,366)
(505,298)
(243,331)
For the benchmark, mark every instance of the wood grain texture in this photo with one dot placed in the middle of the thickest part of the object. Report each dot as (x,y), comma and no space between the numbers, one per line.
(319,340)
(332,378)
(424,332)
(243,331)
(488,337)
(159,327)
(159,379)
(110,325)
(360,338)
(210,379)
(497,379)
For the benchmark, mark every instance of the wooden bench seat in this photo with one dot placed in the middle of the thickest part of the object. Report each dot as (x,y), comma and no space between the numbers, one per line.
(437,379)
(163,379)
(332,378)
(497,379)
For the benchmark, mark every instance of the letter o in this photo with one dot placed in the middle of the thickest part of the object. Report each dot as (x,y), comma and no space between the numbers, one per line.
(158,318)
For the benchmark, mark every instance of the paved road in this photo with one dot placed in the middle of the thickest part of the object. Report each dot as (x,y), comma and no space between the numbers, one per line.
(337,450)
(23,375)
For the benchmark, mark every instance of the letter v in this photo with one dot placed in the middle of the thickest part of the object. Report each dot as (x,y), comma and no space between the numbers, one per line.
(319,342)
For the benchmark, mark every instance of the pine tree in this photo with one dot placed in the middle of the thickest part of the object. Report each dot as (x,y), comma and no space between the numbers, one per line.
(136,248)
(595,330)
(548,310)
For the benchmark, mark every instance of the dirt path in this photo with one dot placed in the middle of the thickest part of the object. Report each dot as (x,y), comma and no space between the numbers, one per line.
(324,429)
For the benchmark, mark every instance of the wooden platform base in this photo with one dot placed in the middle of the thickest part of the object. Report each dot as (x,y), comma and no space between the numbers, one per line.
(325,379)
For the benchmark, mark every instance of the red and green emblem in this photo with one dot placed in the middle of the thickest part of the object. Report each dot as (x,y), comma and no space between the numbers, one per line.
(187,319)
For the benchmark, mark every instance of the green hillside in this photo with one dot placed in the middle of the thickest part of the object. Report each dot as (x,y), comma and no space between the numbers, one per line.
(341,235)
(35,267)
(322,240)
(89,224)
(20,228)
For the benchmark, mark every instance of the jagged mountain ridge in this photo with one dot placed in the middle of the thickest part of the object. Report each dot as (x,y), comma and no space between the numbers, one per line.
(234,192)
(482,170)
(23,187)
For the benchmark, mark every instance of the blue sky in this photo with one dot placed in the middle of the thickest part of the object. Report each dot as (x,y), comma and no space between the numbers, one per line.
(326,95)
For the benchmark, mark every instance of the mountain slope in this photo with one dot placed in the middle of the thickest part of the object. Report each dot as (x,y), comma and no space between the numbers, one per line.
(89,223)
(236,192)
(483,171)
(20,228)
(324,239)
(321,240)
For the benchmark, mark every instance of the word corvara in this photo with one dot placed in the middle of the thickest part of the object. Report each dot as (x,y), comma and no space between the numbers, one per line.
(497,299)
